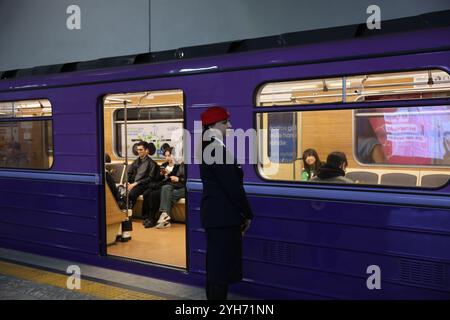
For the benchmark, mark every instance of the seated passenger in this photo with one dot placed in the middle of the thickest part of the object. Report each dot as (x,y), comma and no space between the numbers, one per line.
(141,173)
(14,157)
(158,202)
(311,164)
(121,202)
(333,171)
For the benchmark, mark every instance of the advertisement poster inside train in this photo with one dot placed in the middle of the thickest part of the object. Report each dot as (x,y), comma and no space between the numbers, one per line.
(283,137)
(414,135)
(158,135)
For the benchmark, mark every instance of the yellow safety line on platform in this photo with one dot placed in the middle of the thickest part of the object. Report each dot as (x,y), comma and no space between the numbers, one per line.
(88,287)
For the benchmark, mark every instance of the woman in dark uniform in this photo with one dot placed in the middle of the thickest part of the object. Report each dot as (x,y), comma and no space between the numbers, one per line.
(225,212)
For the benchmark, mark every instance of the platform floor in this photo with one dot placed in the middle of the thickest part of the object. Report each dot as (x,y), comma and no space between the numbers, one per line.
(162,246)
(12,288)
(25,276)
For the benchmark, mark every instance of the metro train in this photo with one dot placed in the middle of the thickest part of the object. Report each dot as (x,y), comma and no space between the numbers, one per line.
(347,89)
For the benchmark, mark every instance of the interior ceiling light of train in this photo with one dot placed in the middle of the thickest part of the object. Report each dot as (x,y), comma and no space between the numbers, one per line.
(388,86)
(145,99)
(28,108)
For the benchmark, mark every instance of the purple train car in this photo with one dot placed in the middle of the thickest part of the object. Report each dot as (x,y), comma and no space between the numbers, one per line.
(382,97)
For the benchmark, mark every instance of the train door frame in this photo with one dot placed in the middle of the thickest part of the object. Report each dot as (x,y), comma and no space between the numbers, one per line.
(102,219)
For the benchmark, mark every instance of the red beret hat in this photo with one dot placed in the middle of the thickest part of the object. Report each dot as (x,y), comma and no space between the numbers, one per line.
(213,115)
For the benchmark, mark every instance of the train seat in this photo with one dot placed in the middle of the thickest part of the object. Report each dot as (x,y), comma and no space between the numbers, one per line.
(178,210)
(117,171)
(114,217)
(434,180)
(363,177)
(399,179)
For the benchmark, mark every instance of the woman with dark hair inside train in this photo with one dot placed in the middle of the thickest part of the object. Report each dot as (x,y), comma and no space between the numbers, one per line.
(172,190)
(161,196)
(225,212)
(311,164)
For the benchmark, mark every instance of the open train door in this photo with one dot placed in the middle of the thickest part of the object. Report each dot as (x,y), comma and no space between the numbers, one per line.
(156,117)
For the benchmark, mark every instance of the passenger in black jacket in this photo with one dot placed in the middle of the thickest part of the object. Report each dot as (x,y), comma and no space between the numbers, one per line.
(225,212)
(141,173)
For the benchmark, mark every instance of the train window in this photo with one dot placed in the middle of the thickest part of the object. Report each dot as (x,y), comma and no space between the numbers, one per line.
(25,109)
(151,116)
(407,146)
(6,110)
(26,142)
(426,84)
(301,92)
(154,113)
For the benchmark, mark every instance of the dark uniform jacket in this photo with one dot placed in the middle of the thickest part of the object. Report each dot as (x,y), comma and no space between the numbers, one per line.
(224,202)
(143,171)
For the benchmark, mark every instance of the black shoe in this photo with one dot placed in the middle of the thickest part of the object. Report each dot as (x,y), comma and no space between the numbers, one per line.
(149,223)
(122,205)
(118,237)
(125,239)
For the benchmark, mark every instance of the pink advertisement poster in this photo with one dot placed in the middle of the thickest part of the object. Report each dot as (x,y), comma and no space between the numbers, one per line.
(414,135)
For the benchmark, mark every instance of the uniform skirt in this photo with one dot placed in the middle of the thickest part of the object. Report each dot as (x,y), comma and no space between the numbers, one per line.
(224,255)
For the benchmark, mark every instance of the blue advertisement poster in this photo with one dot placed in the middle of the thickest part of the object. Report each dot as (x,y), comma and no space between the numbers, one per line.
(282,145)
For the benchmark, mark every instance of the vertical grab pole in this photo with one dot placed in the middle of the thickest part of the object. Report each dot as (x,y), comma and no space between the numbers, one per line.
(126,150)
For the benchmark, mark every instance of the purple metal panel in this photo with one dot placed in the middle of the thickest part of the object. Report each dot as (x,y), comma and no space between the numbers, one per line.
(330,240)
(318,284)
(52,214)
(336,224)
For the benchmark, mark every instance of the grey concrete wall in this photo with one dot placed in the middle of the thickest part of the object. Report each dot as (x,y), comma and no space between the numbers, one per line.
(179,23)
(34,32)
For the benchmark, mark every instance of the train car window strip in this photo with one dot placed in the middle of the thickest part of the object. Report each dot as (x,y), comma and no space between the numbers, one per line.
(151,116)
(26,134)
(409,85)
(25,109)
(390,146)
(152,113)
